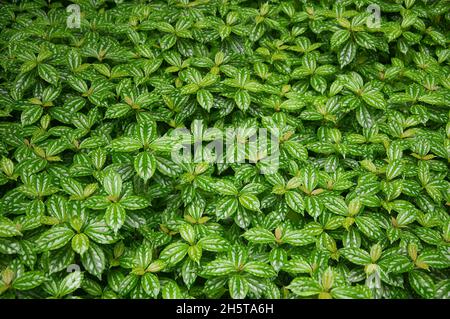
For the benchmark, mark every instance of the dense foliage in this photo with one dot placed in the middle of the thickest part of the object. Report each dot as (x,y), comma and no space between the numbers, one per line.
(94,205)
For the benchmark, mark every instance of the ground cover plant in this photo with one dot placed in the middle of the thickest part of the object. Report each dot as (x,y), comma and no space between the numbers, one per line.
(99,100)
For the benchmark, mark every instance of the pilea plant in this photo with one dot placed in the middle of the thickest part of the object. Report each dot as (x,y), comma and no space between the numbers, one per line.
(102,102)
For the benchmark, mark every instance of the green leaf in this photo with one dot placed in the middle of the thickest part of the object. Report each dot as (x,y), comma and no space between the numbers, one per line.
(125,144)
(259,269)
(167,41)
(304,287)
(375,99)
(297,238)
(297,265)
(188,233)
(313,206)
(296,150)
(171,291)
(242,99)
(368,226)
(394,169)
(277,258)
(357,256)
(357,292)
(318,83)
(259,235)
(112,183)
(145,165)
(128,283)
(205,99)
(94,260)
(226,207)
(70,283)
(134,202)
(91,119)
(150,284)
(396,263)
(195,253)
(174,252)
(72,187)
(74,59)
(249,201)
(97,202)
(8,228)
(80,243)
(31,114)
(115,216)
(347,54)
(117,111)
(145,132)
(366,40)
(238,287)
(295,201)
(218,267)
(422,284)
(100,233)
(214,243)
(54,238)
(29,280)
(77,84)
(225,187)
(338,38)
(48,73)
(336,205)
(309,178)
(433,258)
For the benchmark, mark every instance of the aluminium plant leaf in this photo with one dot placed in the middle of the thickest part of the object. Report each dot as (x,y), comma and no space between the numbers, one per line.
(113,184)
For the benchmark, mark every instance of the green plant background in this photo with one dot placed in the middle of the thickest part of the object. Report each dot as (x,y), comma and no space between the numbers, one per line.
(92,205)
